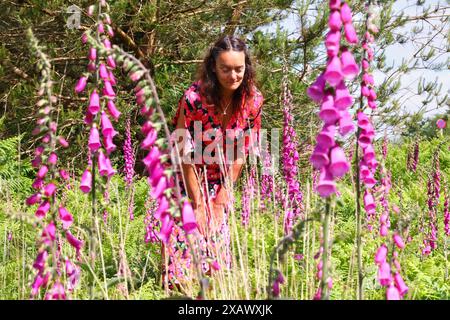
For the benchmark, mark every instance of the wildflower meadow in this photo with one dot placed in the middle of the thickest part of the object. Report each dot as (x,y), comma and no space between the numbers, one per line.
(345,195)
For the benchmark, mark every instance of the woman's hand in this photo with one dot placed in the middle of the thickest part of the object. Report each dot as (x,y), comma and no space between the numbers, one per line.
(200,216)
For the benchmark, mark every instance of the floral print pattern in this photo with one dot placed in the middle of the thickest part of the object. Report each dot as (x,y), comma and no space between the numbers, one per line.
(196,109)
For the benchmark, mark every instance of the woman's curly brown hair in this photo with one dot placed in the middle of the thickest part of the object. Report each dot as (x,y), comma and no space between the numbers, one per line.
(210,86)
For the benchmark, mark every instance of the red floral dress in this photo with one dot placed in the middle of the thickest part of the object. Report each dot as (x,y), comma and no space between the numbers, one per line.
(197,111)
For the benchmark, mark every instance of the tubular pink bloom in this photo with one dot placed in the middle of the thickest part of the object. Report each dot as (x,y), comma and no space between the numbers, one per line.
(326,137)
(333,73)
(384,274)
(37,283)
(372,95)
(73,275)
(346,13)
(339,165)
(101,28)
(332,43)
(350,33)
(369,153)
(147,127)
(84,38)
(156,173)
(326,185)
(63,142)
(364,140)
(112,79)
(346,124)
(91,67)
(363,169)
(368,79)
(102,165)
(369,202)
(365,65)
(328,112)
(111,170)
(363,120)
(49,190)
(42,209)
(107,128)
(151,157)
(381,255)
(92,54)
(392,293)
(88,118)
(57,292)
(53,158)
(188,218)
(81,84)
(159,189)
(107,43)
(74,242)
(343,99)
(162,207)
(398,241)
(369,180)
(39,263)
(149,140)
(63,174)
(319,157)
(365,91)
(400,284)
(383,230)
(315,91)
(135,76)
(48,234)
(42,172)
(111,63)
(103,72)
(334,21)
(39,150)
(108,89)
(33,199)
(94,139)
(109,144)
(110,31)
(66,217)
(166,228)
(372,104)
(94,103)
(140,100)
(335,4)
(113,112)
(37,184)
(86,181)
(349,67)
(215,265)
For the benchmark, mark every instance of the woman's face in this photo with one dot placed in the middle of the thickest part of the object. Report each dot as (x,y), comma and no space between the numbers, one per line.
(230,70)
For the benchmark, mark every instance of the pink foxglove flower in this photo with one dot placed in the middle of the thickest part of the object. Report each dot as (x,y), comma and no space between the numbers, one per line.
(86,181)
(43,209)
(188,218)
(94,139)
(339,165)
(94,103)
(66,217)
(113,110)
(326,185)
(81,84)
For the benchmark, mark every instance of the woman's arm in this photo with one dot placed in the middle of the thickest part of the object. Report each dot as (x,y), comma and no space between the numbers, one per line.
(190,178)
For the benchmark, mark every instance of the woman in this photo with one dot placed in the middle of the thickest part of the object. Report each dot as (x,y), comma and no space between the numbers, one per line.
(217,119)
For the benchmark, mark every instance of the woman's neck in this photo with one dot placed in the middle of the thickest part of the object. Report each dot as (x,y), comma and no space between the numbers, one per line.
(226,94)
